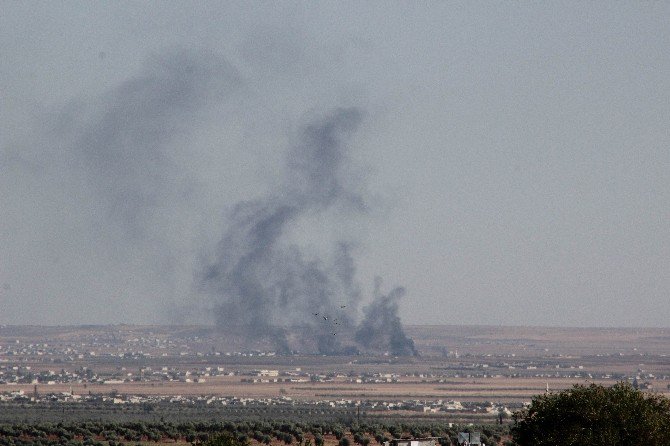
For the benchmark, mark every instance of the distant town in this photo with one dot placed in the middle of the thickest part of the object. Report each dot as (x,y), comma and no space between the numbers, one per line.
(189,366)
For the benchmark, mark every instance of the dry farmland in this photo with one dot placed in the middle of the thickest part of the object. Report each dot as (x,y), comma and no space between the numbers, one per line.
(473,365)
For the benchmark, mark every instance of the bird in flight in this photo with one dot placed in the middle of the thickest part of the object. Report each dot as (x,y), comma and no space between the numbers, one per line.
(342,306)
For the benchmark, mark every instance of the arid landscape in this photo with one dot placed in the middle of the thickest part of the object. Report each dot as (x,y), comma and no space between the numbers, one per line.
(460,372)
(247,223)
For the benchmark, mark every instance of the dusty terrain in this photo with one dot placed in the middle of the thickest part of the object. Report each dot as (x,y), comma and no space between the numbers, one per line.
(464,363)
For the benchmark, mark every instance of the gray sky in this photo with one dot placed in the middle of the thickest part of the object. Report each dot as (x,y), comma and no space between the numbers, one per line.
(514,157)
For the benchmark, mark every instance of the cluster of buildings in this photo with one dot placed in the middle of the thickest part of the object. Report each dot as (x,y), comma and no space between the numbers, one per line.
(21,396)
(530,369)
(143,345)
(20,374)
(115,343)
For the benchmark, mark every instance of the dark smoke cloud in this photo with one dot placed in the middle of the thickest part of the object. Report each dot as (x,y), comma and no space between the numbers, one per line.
(260,282)
(122,145)
(264,284)
(118,175)
(109,197)
(381,328)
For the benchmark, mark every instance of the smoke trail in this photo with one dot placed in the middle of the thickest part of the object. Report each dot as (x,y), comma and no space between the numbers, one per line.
(127,184)
(112,191)
(123,145)
(381,328)
(260,282)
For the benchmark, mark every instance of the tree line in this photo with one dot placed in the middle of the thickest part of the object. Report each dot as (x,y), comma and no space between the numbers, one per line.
(99,433)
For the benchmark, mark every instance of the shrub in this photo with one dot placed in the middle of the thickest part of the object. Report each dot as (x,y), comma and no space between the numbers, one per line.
(594,415)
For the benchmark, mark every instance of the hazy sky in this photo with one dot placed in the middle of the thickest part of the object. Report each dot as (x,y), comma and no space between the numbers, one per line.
(514,156)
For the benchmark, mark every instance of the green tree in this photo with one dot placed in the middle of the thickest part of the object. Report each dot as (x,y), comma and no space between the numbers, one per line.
(225,439)
(594,415)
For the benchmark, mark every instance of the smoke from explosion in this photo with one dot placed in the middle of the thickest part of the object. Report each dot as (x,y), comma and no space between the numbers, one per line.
(261,283)
(381,327)
(138,201)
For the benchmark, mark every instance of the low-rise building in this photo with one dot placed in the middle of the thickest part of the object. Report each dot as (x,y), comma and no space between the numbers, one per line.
(427,441)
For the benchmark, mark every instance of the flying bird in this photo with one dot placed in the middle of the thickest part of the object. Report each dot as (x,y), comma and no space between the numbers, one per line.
(342,306)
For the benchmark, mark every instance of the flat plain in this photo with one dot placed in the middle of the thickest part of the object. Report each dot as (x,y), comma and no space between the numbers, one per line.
(458,367)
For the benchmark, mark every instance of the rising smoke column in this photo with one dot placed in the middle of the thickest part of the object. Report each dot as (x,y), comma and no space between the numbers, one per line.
(261,283)
(381,328)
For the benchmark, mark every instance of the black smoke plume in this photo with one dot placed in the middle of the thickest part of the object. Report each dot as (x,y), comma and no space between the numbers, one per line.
(381,328)
(123,145)
(262,284)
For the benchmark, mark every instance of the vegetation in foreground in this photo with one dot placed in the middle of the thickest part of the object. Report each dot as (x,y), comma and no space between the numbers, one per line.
(594,415)
(213,433)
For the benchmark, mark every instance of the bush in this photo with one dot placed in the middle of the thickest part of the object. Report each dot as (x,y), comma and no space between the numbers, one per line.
(224,439)
(594,415)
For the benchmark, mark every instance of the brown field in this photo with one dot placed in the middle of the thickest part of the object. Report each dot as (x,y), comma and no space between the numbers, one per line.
(463,363)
